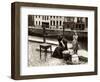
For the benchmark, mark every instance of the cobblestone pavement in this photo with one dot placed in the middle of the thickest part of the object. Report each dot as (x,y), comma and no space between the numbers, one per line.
(34,56)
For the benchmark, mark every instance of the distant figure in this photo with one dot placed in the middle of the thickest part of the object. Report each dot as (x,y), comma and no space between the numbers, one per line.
(75,43)
(61,47)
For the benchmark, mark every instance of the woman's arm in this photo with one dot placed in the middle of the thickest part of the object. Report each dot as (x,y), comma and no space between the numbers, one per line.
(63,45)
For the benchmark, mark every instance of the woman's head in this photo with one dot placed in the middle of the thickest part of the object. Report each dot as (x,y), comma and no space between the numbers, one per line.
(74,32)
(60,37)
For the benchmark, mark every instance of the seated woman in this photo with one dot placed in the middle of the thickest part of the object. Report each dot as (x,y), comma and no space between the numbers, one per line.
(61,47)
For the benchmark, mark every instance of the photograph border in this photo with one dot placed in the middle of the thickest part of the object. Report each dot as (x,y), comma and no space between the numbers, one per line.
(15,39)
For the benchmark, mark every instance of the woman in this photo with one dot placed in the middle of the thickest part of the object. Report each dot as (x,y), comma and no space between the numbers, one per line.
(61,47)
(75,43)
(75,36)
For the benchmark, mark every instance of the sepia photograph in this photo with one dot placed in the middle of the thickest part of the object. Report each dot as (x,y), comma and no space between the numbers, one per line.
(57,40)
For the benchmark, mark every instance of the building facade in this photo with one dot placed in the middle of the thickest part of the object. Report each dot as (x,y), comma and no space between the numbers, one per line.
(58,22)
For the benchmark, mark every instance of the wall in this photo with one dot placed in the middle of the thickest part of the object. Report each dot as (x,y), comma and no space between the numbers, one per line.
(5,40)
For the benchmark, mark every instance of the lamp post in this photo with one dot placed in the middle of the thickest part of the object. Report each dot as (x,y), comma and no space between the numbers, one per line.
(44,35)
(44,31)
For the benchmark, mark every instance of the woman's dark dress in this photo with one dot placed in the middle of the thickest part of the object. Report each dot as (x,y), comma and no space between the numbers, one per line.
(58,50)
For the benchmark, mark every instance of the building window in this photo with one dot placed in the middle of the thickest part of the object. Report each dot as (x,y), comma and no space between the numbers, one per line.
(72,19)
(42,17)
(51,23)
(57,23)
(79,20)
(54,23)
(47,17)
(36,22)
(39,22)
(60,23)
(68,19)
(32,18)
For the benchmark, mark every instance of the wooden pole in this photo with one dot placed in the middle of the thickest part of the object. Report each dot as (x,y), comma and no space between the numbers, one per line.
(44,40)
